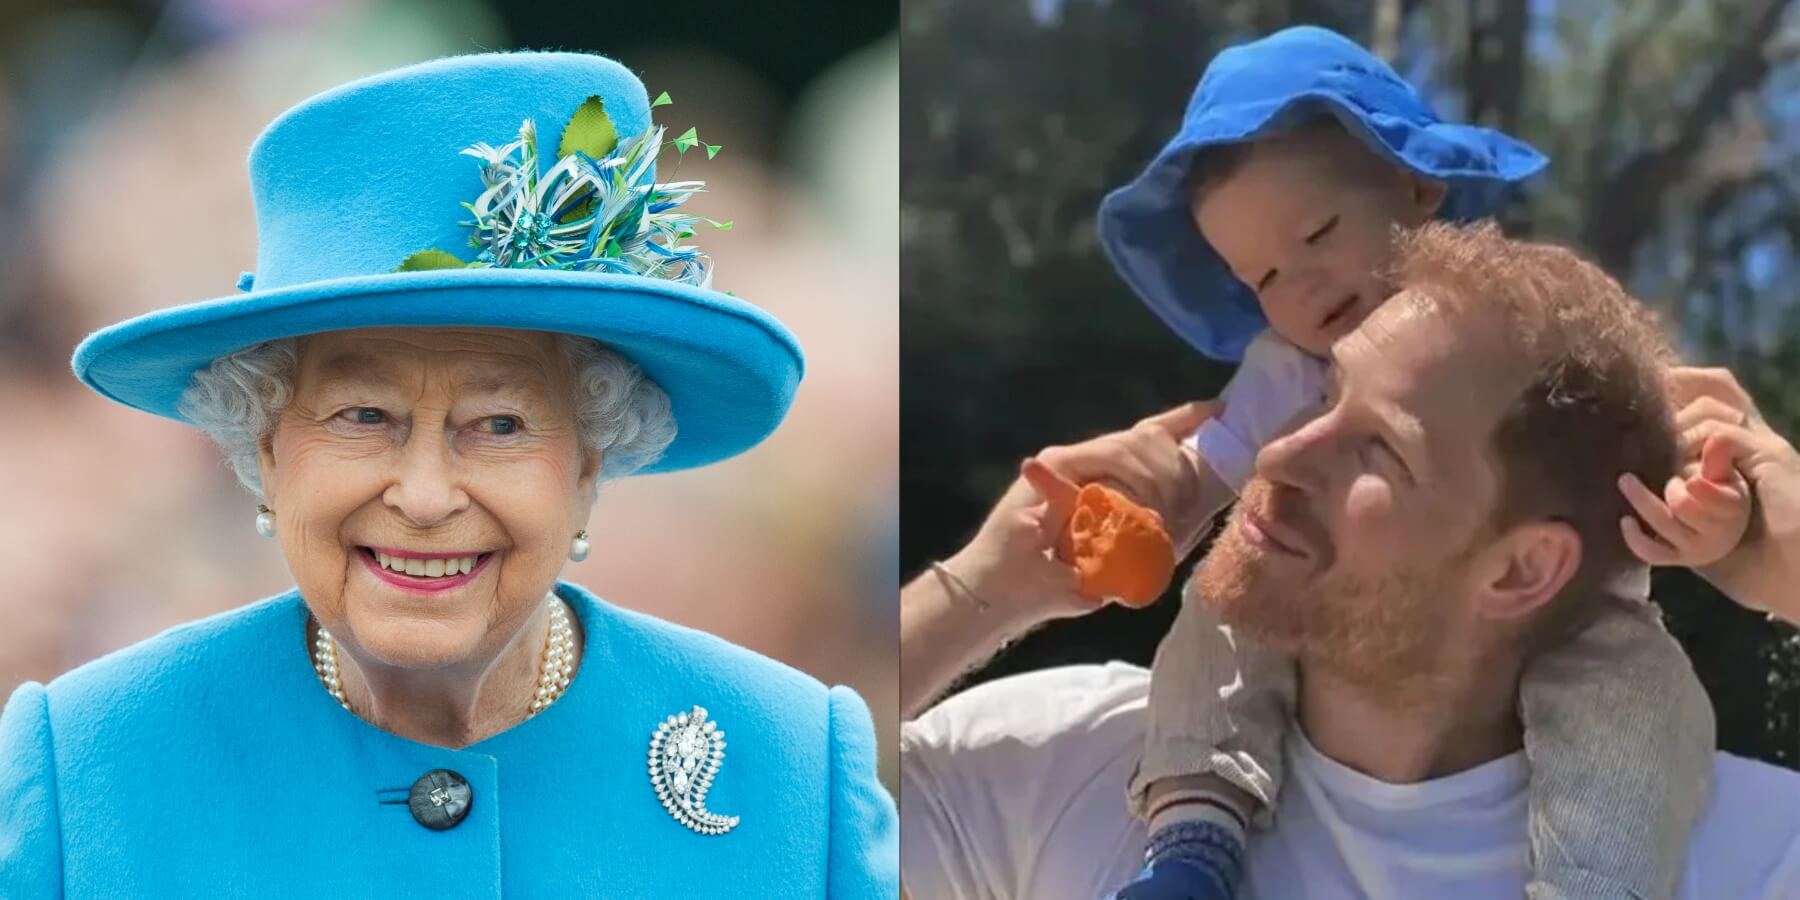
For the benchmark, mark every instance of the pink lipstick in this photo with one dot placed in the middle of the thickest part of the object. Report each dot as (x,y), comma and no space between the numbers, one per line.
(423,584)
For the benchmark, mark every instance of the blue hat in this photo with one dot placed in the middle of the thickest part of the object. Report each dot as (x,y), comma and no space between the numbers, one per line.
(383,203)
(1258,89)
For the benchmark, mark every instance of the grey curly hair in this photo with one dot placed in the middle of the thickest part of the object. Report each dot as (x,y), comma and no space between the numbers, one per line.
(621,413)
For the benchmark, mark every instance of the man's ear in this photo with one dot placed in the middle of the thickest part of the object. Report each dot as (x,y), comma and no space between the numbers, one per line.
(1427,196)
(1525,569)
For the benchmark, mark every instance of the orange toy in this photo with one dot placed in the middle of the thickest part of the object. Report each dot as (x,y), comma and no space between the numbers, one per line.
(1119,549)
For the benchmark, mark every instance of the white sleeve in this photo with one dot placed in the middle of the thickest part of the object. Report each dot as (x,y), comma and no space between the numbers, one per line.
(1276,382)
(987,777)
(945,834)
(1746,845)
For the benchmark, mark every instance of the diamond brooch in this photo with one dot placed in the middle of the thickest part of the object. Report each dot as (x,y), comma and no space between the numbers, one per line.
(685,753)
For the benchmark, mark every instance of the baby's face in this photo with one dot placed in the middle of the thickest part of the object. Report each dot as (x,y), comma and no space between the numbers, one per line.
(1307,222)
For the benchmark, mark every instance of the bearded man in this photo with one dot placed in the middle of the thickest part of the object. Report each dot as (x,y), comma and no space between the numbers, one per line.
(1453,513)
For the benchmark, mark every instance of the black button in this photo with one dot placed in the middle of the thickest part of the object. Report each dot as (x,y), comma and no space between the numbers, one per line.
(440,799)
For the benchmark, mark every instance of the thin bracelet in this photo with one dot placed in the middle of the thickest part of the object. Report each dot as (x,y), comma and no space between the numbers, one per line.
(956,585)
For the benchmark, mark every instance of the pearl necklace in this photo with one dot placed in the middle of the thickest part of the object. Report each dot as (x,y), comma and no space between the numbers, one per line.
(553,677)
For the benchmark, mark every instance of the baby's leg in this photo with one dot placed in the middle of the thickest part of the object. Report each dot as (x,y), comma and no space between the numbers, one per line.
(1212,758)
(1620,738)
(1218,710)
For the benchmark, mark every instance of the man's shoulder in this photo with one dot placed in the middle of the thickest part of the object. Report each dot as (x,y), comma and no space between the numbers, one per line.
(1739,779)
(1748,791)
(1067,704)
(1747,842)
(1054,748)
(1058,742)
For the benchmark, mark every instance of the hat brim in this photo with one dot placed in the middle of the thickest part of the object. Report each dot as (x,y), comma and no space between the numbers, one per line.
(1148,232)
(729,368)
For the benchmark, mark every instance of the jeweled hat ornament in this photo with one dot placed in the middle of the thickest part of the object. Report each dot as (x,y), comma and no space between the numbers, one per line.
(502,190)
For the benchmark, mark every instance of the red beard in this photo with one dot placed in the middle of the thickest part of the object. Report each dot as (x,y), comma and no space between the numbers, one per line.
(1383,631)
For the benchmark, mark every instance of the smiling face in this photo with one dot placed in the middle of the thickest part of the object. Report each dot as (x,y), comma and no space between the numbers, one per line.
(1454,510)
(427,444)
(1365,528)
(1307,220)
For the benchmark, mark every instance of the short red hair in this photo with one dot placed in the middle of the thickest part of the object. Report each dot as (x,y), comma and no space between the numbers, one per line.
(1593,407)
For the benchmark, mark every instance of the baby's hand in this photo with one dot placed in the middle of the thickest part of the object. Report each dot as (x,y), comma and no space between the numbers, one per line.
(1700,517)
(1277,385)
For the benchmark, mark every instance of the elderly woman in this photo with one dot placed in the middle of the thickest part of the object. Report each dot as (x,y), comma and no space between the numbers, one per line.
(441,357)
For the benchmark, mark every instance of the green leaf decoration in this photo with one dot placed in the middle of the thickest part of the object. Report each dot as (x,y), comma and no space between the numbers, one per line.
(722,226)
(590,130)
(686,142)
(426,260)
(662,99)
(577,211)
(712,150)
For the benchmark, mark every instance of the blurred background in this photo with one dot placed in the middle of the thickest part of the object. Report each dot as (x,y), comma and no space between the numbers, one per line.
(1674,130)
(123,133)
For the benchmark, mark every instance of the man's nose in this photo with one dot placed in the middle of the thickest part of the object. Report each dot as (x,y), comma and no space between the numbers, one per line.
(1300,457)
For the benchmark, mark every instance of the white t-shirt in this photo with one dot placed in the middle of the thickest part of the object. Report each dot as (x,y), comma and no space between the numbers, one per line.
(1016,789)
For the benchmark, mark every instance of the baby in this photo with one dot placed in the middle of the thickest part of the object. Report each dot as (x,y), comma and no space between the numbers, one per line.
(1261,233)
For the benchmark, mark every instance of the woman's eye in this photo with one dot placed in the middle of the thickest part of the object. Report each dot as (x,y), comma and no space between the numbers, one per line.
(1322,230)
(502,424)
(364,415)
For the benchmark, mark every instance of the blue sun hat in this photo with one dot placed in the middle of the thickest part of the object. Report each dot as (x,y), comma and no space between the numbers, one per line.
(1260,89)
(502,190)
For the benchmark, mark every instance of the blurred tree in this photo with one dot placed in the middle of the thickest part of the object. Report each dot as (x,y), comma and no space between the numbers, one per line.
(1673,129)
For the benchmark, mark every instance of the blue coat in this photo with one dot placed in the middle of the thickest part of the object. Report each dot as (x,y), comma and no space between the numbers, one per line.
(209,761)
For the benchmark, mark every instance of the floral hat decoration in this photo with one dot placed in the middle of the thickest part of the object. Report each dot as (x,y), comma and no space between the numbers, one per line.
(382,203)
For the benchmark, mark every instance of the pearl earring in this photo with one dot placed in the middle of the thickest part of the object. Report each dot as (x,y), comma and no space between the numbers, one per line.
(578,548)
(265,521)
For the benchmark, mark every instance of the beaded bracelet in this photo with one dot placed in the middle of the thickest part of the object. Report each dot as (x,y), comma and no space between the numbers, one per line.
(954,585)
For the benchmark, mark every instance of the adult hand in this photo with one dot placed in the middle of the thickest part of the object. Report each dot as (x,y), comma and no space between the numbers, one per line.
(1007,580)
(1152,463)
(1010,565)
(1718,417)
